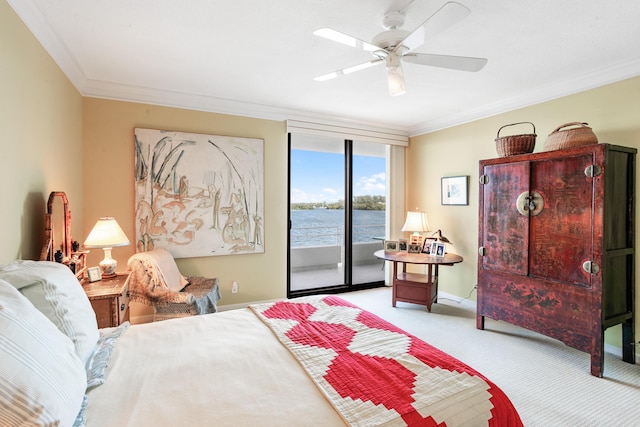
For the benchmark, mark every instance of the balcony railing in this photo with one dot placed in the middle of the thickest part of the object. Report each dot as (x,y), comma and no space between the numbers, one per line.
(333,235)
(321,247)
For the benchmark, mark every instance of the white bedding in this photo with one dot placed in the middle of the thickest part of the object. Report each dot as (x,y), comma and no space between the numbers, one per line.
(226,369)
(243,377)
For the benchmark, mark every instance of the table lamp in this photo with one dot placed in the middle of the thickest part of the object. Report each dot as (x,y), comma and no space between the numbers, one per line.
(416,222)
(107,234)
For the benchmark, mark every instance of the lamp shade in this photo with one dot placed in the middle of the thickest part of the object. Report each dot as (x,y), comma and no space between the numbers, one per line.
(106,234)
(416,222)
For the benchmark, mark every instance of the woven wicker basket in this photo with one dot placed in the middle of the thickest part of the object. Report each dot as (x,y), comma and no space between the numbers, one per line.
(566,138)
(515,144)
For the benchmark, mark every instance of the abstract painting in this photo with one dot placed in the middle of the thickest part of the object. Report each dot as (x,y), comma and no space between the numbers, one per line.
(198,195)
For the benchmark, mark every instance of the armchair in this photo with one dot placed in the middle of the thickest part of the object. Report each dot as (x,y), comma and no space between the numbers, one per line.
(156,281)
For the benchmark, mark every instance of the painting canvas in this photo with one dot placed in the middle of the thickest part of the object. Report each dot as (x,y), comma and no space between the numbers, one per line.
(198,195)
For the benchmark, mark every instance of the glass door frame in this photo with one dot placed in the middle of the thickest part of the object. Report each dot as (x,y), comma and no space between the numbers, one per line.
(347,284)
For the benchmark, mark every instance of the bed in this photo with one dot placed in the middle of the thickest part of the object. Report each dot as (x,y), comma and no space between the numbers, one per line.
(313,361)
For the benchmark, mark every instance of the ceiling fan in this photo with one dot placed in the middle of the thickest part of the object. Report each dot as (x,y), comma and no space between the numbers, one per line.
(396,45)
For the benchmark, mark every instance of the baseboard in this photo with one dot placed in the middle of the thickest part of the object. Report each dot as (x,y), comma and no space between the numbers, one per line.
(608,348)
(617,351)
(612,349)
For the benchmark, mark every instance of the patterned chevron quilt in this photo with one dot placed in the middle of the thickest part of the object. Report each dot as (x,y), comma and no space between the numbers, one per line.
(375,374)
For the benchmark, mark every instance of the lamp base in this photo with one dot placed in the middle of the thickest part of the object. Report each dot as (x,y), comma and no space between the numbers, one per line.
(108,265)
(108,275)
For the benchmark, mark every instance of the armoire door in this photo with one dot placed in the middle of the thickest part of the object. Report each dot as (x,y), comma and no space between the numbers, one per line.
(505,233)
(561,235)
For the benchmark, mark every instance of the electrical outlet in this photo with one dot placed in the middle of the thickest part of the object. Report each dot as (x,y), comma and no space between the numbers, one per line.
(234,288)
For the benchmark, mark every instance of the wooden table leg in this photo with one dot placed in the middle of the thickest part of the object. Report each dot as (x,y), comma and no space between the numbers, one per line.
(429,285)
(393,284)
(435,282)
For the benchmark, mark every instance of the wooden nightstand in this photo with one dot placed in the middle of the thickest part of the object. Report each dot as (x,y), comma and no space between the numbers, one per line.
(109,299)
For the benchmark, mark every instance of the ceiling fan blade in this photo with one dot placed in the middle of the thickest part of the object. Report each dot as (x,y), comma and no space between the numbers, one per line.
(399,5)
(462,63)
(348,70)
(395,75)
(444,17)
(345,39)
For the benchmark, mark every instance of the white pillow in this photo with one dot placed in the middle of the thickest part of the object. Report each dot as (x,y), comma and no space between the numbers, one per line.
(54,290)
(42,380)
(99,361)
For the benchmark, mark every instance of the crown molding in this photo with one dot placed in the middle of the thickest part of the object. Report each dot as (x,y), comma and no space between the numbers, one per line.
(537,95)
(189,101)
(551,91)
(42,31)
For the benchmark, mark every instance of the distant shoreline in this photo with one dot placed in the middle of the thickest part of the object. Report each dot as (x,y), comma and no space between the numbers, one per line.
(360,203)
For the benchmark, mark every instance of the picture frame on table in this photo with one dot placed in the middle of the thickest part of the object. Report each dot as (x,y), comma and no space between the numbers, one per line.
(94,274)
(391,246)
(439,249)
(426,247)
(454,190)
(416,239)
(403,244)
(434,247)
(414,249)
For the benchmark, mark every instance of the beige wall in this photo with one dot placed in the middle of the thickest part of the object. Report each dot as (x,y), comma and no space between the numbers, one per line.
(41,117)
(108,189)
(612,111)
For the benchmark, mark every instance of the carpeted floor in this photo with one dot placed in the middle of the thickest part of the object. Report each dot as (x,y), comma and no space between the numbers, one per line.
(548,382)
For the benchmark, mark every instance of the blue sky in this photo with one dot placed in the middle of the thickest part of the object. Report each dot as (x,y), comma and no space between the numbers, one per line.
(319,177)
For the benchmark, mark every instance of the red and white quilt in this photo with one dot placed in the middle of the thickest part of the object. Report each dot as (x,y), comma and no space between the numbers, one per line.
(375,374)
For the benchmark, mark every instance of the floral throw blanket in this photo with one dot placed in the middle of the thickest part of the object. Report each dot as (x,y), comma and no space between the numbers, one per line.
(375,374)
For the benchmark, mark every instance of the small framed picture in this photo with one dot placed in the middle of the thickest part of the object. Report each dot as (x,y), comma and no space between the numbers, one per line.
(416,239)
(403,244)
(94,274)
(434,247)
(414,249)
(426,248)
(439,251)
(454,190)
(391,246)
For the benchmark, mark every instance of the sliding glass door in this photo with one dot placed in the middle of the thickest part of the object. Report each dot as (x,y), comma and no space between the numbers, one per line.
(336,214)
(368,209)
(316,213)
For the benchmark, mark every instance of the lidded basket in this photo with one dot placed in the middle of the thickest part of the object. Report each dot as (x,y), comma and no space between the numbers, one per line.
(574,137)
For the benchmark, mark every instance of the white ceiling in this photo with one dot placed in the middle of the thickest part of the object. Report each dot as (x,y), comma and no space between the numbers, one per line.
(258,58)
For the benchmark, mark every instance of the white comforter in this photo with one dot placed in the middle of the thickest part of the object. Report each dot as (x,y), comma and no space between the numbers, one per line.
(223,369)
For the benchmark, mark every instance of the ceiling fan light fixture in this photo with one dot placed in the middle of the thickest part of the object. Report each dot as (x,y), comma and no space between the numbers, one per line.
(395,76)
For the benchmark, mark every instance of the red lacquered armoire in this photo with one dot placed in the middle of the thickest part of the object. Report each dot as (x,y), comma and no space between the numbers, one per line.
(556,245)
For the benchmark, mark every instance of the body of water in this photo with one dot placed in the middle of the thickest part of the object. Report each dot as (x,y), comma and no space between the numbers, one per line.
(321,227)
